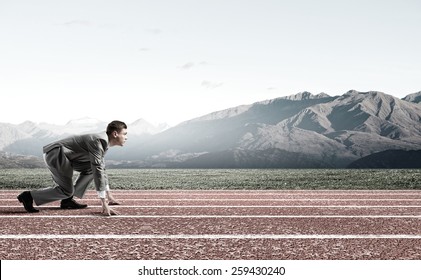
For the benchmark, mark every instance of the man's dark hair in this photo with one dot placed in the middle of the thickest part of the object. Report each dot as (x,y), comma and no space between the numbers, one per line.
(115,126)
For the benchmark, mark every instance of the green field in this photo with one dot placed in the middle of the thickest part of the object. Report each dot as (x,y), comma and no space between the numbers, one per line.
(279,179)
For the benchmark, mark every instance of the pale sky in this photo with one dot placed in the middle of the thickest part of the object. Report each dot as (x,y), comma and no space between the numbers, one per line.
(173,60)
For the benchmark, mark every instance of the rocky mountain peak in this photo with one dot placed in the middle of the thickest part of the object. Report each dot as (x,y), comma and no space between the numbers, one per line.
(414,97)
(305,95)
(141,126)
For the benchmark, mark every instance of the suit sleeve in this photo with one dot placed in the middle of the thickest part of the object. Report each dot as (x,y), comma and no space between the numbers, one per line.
(96,156)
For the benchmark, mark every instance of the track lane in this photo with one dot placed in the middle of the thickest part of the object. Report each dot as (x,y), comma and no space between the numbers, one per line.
(214,226)
(211,225)
(206,249)
(130,210)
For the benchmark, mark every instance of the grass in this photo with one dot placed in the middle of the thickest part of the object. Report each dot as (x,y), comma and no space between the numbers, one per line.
(278,179)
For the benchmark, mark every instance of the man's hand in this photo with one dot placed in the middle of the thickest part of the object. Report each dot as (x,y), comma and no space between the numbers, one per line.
(106,210)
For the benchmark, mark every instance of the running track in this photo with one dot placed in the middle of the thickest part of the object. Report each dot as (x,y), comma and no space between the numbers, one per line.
(229,225)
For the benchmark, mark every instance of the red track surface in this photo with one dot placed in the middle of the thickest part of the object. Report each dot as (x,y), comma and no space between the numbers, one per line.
(219,225)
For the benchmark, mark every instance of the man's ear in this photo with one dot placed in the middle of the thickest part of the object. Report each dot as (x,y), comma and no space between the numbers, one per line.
(115,133)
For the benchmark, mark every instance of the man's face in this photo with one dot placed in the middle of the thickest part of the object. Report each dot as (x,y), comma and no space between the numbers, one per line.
(120,138)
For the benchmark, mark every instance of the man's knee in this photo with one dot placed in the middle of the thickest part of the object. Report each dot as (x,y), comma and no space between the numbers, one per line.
(64,184)
(68,193)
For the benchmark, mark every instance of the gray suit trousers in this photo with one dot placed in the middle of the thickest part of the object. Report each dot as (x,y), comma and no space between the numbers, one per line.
(62,172)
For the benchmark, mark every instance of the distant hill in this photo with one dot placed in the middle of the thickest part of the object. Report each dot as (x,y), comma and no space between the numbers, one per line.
(18,161)
(415,97)
(270,158)
(297,131)
(390,159)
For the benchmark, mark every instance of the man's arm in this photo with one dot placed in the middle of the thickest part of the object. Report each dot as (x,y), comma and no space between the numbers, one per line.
(106,210)
(96,153)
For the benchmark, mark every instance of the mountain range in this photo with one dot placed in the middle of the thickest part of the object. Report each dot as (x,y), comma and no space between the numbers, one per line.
(297,131)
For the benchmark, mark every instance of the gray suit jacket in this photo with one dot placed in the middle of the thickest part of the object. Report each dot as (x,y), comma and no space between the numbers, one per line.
(86,154)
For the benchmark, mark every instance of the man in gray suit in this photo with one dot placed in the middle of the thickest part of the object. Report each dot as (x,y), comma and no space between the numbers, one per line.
(81,153)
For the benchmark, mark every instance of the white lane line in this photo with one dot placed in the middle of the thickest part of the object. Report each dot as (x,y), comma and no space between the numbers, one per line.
(250,192)
(264,190)
(231,206)
(280,193)
(219,216)
(253,199)
(208,236)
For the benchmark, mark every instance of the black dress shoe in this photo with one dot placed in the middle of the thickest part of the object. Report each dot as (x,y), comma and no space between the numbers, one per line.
(70,203)
(26,199)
